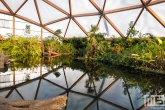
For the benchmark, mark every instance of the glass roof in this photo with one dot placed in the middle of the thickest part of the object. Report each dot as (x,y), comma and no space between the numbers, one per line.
(74,17)
(125,15)
(14,4)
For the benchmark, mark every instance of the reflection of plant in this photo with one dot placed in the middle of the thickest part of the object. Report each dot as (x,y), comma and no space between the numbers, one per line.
(27,77)
(148,84)
(54,61)
(96,71)
(57,74)
(89,85)
(25,62)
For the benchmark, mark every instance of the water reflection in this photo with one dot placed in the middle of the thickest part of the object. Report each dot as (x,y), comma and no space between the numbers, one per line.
(88,85)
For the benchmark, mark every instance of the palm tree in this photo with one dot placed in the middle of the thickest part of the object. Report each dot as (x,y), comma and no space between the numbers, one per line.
(94,29)
(92,41)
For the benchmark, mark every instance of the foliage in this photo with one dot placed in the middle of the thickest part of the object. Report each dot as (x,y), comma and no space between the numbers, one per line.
(27,30)
(79,45)
(131,31)
(58,31)
(21,47)
(137,53)
(96,45)
(55,44)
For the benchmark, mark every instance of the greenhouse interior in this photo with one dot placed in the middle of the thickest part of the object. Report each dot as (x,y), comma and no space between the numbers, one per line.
(82,54)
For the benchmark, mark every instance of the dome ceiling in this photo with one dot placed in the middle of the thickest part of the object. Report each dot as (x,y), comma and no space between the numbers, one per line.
(75,17)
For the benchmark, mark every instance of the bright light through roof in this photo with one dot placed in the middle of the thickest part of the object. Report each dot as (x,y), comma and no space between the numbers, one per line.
(74,17)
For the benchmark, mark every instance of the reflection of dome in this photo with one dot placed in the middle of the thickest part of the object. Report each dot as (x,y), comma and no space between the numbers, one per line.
(105,94)
(74,17)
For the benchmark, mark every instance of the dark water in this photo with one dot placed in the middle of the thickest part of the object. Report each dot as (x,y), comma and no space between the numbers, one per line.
(89,85)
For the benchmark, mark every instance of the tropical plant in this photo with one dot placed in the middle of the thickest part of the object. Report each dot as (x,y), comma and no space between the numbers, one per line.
(56,44)
(27,30)
(131,31)
(97,44)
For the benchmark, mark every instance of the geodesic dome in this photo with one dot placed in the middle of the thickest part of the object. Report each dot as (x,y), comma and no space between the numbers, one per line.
(75,17)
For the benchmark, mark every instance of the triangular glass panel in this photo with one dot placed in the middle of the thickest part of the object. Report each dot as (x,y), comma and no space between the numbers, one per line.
(48,13)
(5,31)
(123,24)
(148,24)
(63,4)
(103,84)
(19,32)
(72,76)
(59,25)
(118,94)
(28,91)
(136,97)
(20,26)
(35,30)
(82,6)
(57,77)
(5,21)
(105,27)
(106,106)
(48,90)
(4,93)
(94,106)
(87,21)
(111,4)
(100,3)
(14,96)
(85,85)
(77,102)
(74,30)
(45,34)
(159,9)
(29,11)
(2,7)
(14,4)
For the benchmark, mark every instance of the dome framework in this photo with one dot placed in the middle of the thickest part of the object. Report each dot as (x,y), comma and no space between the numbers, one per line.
(75,17)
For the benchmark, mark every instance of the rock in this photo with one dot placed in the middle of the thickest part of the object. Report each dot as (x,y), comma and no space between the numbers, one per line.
(56,103)
(3,60)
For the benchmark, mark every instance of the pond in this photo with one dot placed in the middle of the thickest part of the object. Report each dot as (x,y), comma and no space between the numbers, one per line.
(89,85)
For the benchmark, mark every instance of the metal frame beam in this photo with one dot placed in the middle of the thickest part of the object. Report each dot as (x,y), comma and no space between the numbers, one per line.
(70,8)
(20,7)
(55,21)
(56,7)
(67,27)
(123,9)
(80,26)
(10,10)
(153,13)
(38,12)
(101,12)
(113,25)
